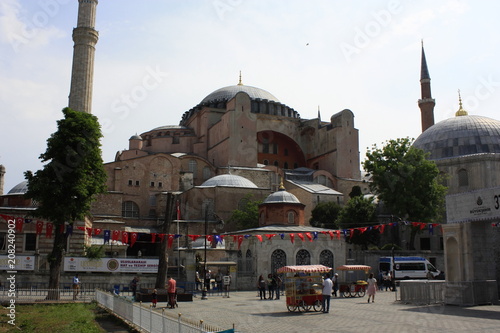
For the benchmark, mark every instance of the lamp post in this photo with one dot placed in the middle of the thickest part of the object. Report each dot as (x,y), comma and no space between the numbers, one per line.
(204,291)
(393,270)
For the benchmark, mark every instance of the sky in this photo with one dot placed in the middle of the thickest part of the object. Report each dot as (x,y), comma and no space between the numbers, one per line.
(156,59)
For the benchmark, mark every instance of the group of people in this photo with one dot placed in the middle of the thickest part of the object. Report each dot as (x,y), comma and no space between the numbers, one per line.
(273,285)
(331,287)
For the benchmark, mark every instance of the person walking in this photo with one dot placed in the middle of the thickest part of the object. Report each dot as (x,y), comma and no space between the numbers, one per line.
(261,285)
(278,285)
(371,290)
(271,285)
(76,286)
(327,293)
(172,292)
(335,284)
(154,298)
(133,285)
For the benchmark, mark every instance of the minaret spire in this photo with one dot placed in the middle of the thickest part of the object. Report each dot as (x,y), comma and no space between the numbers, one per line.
(82,74)
(426,103)
(240,83)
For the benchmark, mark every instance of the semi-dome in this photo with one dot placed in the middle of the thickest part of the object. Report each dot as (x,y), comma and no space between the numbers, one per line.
(227,93)
(281,196)
(229,181)
(459,136)
(135,137)
(20,188)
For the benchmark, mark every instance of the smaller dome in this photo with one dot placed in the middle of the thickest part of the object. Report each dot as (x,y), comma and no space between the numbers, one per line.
(229,181)
(281,196)
(20,188)
(135,137)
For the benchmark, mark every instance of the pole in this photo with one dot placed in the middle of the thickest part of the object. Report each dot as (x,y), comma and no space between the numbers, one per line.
(204,292)
(393,270)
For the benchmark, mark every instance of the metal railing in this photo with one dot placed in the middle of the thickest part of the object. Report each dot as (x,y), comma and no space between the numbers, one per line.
(422,291)
(149,319)
(35,295)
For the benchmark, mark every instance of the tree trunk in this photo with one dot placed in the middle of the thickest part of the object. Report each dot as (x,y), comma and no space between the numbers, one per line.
(161,276)
(55,261)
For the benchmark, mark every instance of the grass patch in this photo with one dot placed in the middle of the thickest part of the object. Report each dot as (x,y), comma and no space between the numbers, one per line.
(61,318)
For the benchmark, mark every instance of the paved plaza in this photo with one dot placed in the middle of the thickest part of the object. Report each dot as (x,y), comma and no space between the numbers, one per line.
(250,314)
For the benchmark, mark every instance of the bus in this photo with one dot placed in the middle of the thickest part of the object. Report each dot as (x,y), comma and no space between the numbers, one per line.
(408,267)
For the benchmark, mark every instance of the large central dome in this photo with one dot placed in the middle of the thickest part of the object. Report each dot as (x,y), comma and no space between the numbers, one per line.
(226,93)
(459,136)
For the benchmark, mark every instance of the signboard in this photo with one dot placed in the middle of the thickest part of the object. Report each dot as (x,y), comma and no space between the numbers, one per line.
(21,263)
(119,265)
(473,206)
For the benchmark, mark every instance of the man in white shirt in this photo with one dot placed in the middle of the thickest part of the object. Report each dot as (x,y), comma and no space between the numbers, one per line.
(327,293)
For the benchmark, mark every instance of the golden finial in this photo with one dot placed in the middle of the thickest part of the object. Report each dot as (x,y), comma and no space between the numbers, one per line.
(282,187)
(461,111)
(240,83)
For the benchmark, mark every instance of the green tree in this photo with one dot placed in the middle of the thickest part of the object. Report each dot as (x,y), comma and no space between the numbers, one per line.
(247,216)
(325,214)
(406,181)
(359,212)
(68,183)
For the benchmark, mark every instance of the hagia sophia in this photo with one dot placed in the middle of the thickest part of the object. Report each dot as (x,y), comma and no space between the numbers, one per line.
(241,143)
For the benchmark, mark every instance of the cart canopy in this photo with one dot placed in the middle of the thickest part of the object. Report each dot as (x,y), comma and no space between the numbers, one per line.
(354,268)
(304,269)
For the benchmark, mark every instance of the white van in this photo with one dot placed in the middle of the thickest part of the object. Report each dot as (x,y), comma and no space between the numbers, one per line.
(408,267)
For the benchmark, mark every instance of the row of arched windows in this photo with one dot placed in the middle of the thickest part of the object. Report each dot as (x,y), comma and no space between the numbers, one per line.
(279,259)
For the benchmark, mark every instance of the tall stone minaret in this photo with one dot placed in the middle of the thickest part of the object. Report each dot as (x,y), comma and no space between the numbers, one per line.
(82,73)
(2,174)
(426,103)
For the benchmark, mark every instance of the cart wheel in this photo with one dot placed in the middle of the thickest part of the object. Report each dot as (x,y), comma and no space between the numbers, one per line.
(302,306)
(317,306)
(291,308)
(361,292)
(352,290)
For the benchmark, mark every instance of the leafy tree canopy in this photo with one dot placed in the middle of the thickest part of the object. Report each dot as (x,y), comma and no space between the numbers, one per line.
(73,174)
(359,212)
(325,214)
(405,180)
(247,216)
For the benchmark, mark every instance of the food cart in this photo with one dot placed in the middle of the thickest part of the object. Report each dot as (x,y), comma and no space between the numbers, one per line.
(303,287)
(358,286)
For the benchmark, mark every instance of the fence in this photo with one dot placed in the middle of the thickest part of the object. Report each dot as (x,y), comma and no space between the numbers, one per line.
(144,318)
(35,295)
(422,291)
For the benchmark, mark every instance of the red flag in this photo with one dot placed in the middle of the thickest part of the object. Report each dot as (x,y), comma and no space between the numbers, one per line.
(115,235)
(89,231)
(81,228)
(292,237)
(382,227)
(153,237)
(124,237)
(259,237)
(162,236)
(6,217)
(362,229)
(48,229)
(330,232)
(97,231)
(194,237)
(351,233)
(240,240)
(170,241)
(39,227)
(269,236)
(422,226)
(309,236)
(133,238)
(19,224)
(209,238)
(61,228)
(301,236)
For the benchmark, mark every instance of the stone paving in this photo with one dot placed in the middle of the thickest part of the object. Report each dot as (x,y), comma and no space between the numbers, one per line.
(248,314)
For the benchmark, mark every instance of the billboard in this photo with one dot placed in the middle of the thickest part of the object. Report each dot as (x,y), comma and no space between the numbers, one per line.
(118,265)
(17,263)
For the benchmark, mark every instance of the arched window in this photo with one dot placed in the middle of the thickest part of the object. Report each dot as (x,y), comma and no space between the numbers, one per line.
(463,178)
(266,162)
(276,163)
(278,260)
(262,218)
(248,261)
(207,173)
(240,263)
(303,257)
(285,166)
(326,258)
(130,209)
(192,167)
(291,217)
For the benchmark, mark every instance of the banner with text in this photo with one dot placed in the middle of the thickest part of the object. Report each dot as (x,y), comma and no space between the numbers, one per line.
(119,265)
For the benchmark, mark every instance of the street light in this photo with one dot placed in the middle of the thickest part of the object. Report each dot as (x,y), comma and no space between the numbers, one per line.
(220,225)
